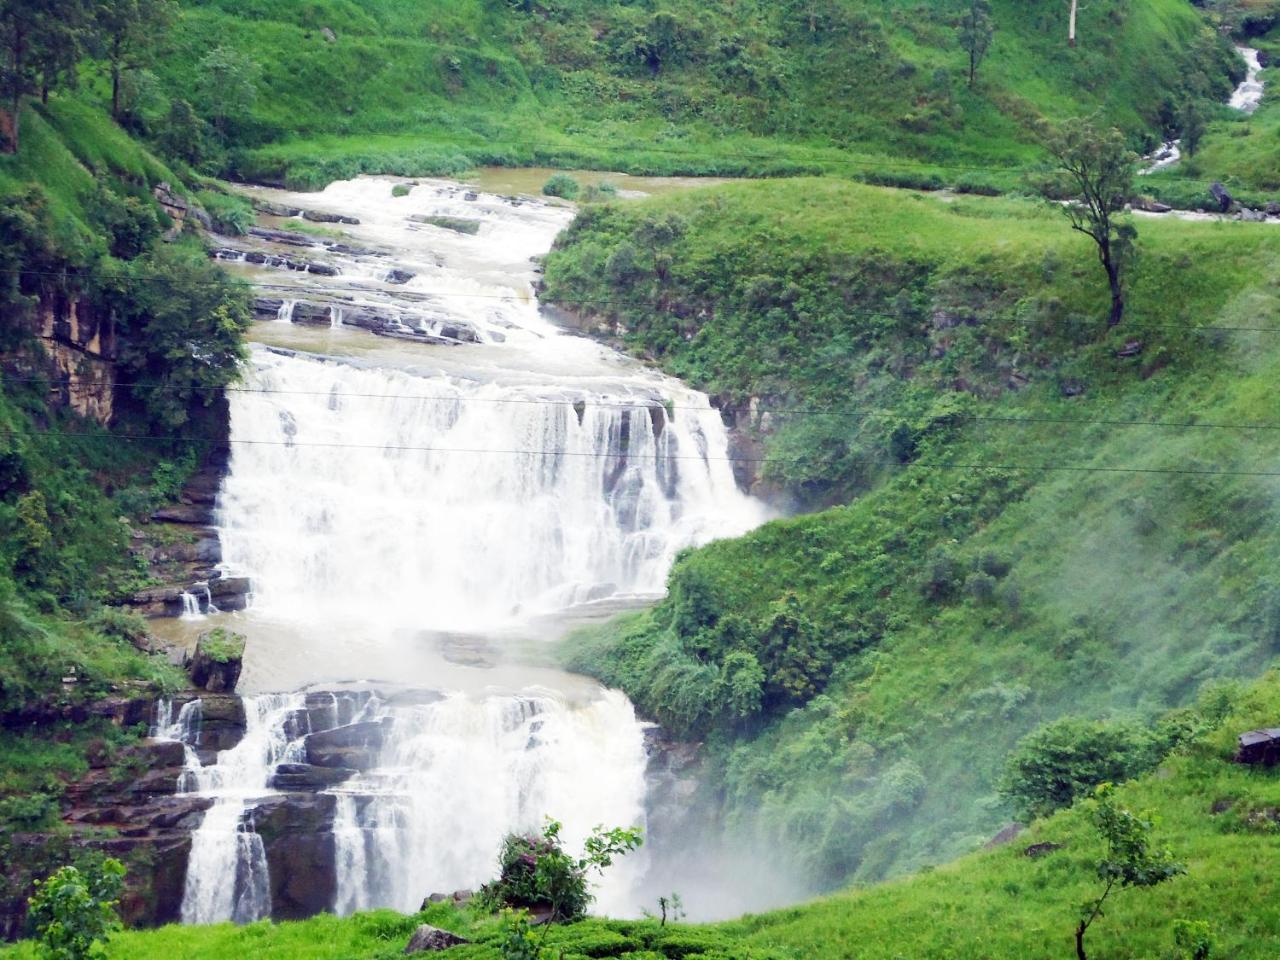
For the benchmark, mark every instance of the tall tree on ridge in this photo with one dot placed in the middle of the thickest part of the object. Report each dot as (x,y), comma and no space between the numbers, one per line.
(976,29)
(127,31)
(39,42)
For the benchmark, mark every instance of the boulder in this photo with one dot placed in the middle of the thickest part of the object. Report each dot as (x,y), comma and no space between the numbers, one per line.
(400,276)
(427,938)
(297,835)
(312,314)
(320,216)
(354,746)
(322,269)
(196,513)
(1221,197)
(282,236)
(1251,216)
(307,777)
(1272,208)
(217,661)
(272,209)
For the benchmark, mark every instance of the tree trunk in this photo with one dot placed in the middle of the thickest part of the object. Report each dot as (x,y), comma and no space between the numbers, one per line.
(1117,293)
(1080,929)
(115,90)
(1071,27)
(973,67)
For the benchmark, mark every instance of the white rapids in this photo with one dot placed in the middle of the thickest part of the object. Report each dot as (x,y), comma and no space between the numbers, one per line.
(1248,94)
(389,498)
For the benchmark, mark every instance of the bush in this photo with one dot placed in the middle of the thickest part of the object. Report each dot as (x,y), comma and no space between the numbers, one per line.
(401,190)
(1068,758)
(75,909)
(562,185)
(536,873)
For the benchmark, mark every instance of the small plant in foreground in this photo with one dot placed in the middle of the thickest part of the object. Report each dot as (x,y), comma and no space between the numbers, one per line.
(74,910)
(516,940)
(1129,860)
(1193,938)
(672,904)
(537,874)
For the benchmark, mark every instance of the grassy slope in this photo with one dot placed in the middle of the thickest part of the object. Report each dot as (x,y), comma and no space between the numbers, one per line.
(1126,590)
(993,905)
(426,87)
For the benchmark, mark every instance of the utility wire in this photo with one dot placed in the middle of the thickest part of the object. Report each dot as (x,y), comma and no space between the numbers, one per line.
(398,448)
(572,301)
(614,405)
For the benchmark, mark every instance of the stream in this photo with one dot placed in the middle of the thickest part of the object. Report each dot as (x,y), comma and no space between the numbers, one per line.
(428,482)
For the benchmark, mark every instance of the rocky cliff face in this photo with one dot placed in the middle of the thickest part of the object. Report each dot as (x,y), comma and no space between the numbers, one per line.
(78,350)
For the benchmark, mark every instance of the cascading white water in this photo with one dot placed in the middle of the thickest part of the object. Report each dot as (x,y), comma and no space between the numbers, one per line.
(227,869)
(454,777)
(437,503)
(380,501)
(1248,94)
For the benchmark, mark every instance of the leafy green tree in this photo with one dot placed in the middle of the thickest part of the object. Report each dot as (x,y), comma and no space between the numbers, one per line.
(796,666)
(227,88)
(74,910)
(181,321)
(536,872)
(1192,123)
(127,33)
(742,679)
(1129,860)
(1099,169)
(976,29)
(183,134)
(1066,759)
(39,43)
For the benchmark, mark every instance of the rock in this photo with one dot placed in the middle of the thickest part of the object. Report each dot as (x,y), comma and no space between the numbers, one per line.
(197,513)
(275,209)
(1151,206)
(306,776)
(1272,208)
(322,269)
(1259,747)
(1071,387)
(471,195)
(462,334)
(297,834)
(1221,806)
(208,550)
(427,938)
(222,722)
(467,225)
(312,314)
(329,35)
(1037,850)
(355,746)
(1131,349)
(400,276)
(325,710)
(226,587)
(1007,834)
(217,661)
(282,236)
(1248,215)
(320,216)
(1221,196)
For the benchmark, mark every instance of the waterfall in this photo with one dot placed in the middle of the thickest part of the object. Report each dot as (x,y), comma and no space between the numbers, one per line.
(285,313)
(227,876)
(453,778)
(404,512)
(1248,95)
(434,502)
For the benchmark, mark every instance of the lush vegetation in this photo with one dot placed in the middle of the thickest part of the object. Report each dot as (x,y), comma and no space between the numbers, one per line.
(79,224)
(877,87)
(945,368)
(1020,900)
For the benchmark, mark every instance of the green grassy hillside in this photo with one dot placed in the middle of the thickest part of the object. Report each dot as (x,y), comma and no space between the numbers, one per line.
(748,87)
(1217,818)
(1043,517)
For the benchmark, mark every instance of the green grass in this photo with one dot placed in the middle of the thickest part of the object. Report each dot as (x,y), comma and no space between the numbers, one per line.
(747,88)
(862,318)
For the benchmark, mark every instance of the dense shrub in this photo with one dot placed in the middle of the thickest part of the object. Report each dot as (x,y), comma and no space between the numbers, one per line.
(562,185)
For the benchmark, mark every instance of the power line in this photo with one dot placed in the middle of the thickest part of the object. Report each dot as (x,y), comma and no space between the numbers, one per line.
(397,448)
(575,301)
(657,403)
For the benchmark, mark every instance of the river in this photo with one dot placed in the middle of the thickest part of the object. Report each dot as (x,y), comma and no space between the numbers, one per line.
(420,510)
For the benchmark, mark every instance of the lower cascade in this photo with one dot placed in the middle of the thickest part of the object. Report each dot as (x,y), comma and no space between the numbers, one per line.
(428,478)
